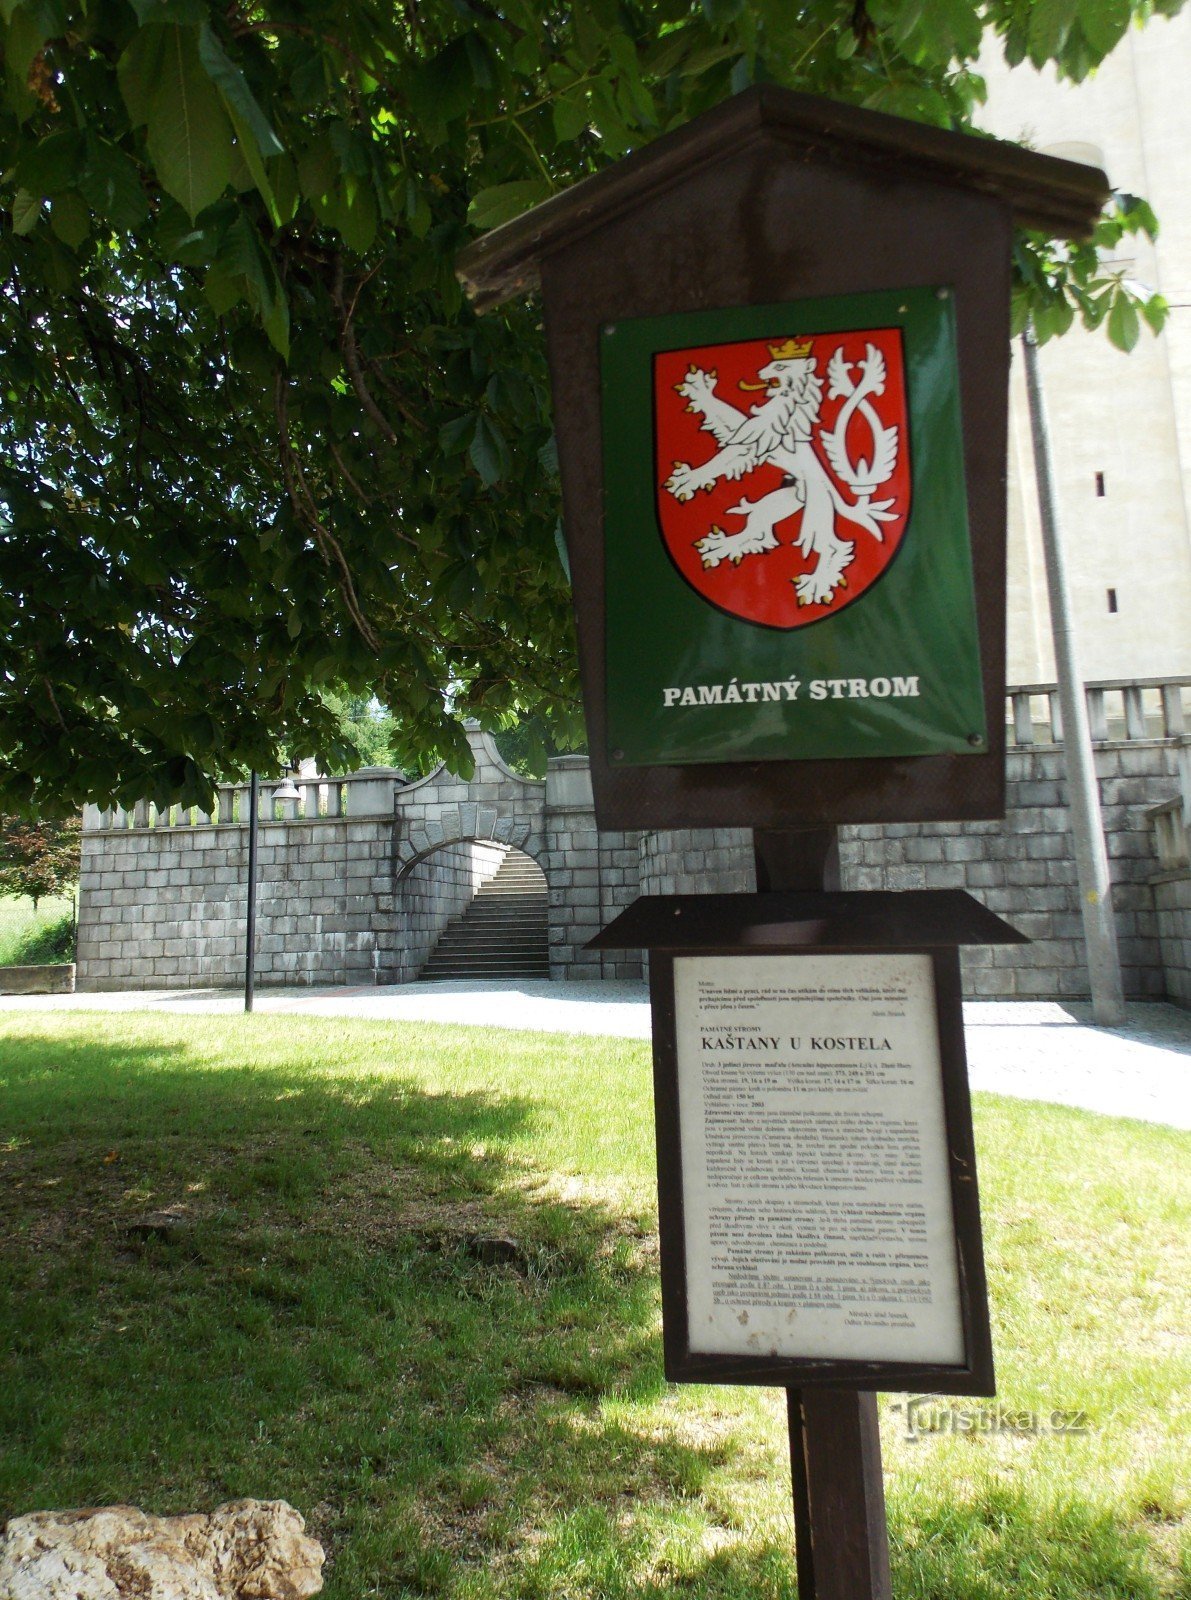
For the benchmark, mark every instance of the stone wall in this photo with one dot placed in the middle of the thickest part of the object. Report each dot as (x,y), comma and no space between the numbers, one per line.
(165,907)
(698,861)
(1172,902)
(1171,822)
(360,875)
(1024,869)
(591,877)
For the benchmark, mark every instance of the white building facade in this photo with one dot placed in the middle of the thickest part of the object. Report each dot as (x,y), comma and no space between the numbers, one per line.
(1121,424)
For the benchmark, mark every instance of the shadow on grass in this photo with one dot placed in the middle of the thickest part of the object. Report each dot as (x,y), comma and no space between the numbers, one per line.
(221,1280)
(226,1275)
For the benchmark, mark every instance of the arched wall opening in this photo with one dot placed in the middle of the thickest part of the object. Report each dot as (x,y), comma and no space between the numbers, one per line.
(470,908)
(501,934)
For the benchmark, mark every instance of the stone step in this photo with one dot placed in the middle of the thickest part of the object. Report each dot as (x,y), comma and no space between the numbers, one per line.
(503,916)
(505,919)
(494,910)
(479,969)
(502,933)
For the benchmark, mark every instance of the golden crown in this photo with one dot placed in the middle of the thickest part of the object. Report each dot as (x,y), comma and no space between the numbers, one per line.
(792,350)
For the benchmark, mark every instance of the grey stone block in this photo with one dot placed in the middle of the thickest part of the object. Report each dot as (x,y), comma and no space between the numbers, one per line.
(963,848)
(991,874)
(991,981)
(868,879)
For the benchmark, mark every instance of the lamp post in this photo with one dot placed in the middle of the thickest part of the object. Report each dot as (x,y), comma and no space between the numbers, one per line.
(286,790)
(1091,854)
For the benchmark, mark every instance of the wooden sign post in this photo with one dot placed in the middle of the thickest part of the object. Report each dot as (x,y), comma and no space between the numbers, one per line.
(779,354)
(818,1204)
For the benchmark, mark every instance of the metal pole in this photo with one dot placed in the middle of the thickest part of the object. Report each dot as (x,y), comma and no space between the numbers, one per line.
(1091,856)
(250,919)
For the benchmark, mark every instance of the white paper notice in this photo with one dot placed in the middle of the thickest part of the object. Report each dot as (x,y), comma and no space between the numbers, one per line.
(815,1179)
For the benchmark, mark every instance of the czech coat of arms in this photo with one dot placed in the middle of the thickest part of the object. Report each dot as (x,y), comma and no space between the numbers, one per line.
(785,508)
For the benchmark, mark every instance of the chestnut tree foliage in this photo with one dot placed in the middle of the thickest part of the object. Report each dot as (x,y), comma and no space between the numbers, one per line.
(255,450)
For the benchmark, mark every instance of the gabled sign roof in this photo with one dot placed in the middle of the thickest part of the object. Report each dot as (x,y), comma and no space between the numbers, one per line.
(1062,198)
(888,919)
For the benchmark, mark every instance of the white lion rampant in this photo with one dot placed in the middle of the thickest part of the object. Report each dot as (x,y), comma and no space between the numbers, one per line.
(780,432)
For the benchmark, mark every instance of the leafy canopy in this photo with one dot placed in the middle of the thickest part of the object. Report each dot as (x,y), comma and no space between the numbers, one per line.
(255,451)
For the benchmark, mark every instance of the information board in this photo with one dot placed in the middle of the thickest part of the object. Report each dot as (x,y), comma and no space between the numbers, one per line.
(815,1185)
(788,572)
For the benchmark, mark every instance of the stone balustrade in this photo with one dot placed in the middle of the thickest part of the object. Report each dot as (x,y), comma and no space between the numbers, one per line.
(1119,711)
(358,875)
(366,793)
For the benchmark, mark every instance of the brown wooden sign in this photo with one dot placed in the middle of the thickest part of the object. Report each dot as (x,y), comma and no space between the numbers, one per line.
(818,1206)
(772,210)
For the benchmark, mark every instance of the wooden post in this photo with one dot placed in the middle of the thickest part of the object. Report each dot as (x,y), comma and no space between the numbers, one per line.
(841,1538)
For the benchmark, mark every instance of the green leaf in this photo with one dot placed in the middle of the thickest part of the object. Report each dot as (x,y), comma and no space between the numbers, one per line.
(275,321)
(571,116)
(188,11)
(233,86)
(1104,23)
(504,201)
(1053,317)
(189,134)
(255,138)
(720,12)
(283,179)
(111,185)
(357,220)
(560,544)
(70,219)
(1124,324)
(417,209)
(26,212)
(241,251)
(1156,310)
(222,290)
(27,33)
(1049,25)
(442,89)
(242,267)
(487,451)
(452,435)
(1136,215)
(53,165)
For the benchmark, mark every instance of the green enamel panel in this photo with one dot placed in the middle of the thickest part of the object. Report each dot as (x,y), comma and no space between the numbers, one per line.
(711,657)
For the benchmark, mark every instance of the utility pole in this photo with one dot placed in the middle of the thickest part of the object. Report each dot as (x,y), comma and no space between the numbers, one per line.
(1091,856)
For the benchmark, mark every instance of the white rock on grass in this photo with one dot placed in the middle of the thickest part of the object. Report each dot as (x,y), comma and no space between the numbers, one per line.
(245,1550)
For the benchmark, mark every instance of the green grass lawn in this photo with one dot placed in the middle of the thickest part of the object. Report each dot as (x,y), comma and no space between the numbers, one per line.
(413,1290)
(32,936)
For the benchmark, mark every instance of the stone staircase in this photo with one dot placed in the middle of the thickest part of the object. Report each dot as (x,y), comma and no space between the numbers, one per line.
(502,934)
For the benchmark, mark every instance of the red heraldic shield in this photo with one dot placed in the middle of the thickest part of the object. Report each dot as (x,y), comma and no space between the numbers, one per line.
(783,469)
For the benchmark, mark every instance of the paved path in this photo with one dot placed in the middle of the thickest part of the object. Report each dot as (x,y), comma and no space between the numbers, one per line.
(1035,1050)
